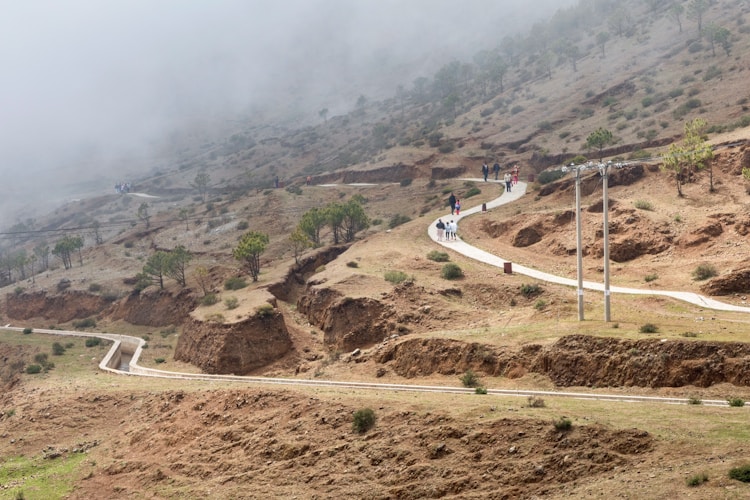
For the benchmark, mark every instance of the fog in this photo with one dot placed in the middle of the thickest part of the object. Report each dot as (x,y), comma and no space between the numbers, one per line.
(90,88)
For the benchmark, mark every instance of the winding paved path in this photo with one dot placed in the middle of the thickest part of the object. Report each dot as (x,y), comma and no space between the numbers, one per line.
(125,345)
(493,260)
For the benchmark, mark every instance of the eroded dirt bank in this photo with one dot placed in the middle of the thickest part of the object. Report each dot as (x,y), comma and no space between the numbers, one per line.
(282,444)
(579,360)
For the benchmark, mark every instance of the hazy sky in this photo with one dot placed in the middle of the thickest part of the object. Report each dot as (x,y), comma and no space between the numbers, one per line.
(84,82)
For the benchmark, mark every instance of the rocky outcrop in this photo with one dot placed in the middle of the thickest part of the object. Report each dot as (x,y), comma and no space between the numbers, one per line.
(235,348)
(285,288)
(63,307)
(155,308)
(736,281)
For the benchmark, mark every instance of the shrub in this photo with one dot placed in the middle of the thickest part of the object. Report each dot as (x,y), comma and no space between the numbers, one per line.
(676,92)
(530,290)
(405,182)
(395,277)
(647,101)
(540,304)
(648,328)
(352,263)
(736,402)
(438,256)
(234,283)
(363,420)
(696,479)
(550,176)
(470,379)
(214,318)
(689,334)
(694,401)
(644,205)
(451,271)
(92,341)
(27,331)
(58,349)
(741,473)
(128,244)
(242,225)
(651,277)
(472,192)
(711,73)
(84,323)
(562,424)
(448,147)
(535,402)
(480,390)
(264,310)
(33,369)
(209,299)
(231,302)
(704,271)
(95,287)
(397,220)
(159,361)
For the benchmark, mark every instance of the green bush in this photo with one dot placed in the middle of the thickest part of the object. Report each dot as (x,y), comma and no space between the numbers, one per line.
(84,323)
(562,424)
(234,283)
(448,147)
(470,379)
(741,473)
(451,271)
(58,349)
(696,479)
(33,369)
(264,310)
(694,401)
(363,420)
(209,299)
(352,263)
(395,277)
(644,205)
(397,220)
(651,277)
(27,331)
(92,341)
(540,304)
(159,361)
(648,328)
(736,402)
(480,390)
(405,182)
(535,402)
(231,302)
(242,225)
(550,176)
(472,192)
(530,290)
(438,256)
(95,287)
(704,271)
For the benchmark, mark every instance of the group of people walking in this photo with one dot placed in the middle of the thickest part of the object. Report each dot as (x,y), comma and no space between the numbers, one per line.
(510,178)
(447,231)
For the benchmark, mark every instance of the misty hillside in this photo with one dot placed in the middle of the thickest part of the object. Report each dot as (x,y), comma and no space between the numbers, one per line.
(640,69)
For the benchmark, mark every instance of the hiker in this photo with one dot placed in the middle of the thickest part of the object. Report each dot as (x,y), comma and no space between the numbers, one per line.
(458,206)
(454,230)
(515,174)
(452,202)
(507,180)
(276,182)
(440,229)
(496,169)
(309,180)
(485,171)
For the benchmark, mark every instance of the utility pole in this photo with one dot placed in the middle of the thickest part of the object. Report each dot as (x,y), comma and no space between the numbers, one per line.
(604,170)
(579,250)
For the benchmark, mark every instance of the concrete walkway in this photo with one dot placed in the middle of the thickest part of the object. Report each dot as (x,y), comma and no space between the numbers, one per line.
(494,260)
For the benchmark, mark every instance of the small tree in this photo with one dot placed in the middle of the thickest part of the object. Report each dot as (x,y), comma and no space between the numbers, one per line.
(299,243)
(184,215)
(179,258)
(311,223)
(157,266)
(354,220)
(248,251)
(601,40)
(202,278)
(201,182)
(695,12)
(144,215)
(675,12)
(598,139)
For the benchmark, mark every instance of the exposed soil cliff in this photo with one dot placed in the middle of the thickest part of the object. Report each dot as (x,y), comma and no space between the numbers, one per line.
(61,308)
(235,348)
(579,360)
(157,308)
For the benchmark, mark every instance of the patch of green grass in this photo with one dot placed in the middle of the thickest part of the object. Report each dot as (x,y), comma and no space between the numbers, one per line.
(648,328)
(736,402)
(36,477)
(644,205)
(234,283)
(438,256)
(651,277)
(704,272)
(741,473)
